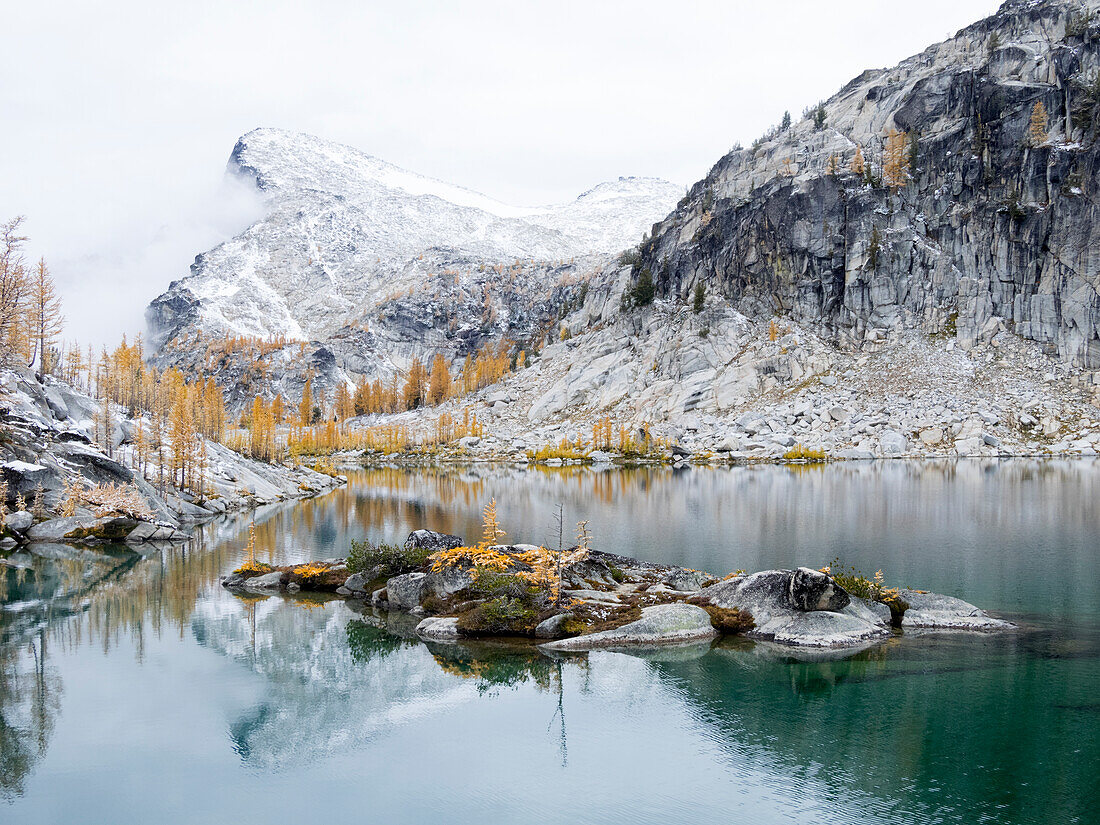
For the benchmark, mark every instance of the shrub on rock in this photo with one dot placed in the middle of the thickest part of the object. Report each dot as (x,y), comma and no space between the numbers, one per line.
(730,621)
(501,616)
(392,560)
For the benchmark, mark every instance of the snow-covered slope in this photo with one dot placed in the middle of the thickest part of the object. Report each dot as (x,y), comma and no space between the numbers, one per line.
(344,231)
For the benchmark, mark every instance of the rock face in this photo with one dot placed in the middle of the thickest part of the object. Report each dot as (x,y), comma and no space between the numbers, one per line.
(981,225)
(660,625)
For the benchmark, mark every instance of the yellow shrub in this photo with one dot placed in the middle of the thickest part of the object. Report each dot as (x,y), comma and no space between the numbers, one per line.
(800,453)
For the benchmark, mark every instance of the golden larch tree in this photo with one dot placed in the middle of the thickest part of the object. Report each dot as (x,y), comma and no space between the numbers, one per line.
(44,320)
(305,406)
(415,385)
(895,159)
(439,384)
(13,290)
(362,400)
(345,408)
(1037,129)
(857,162)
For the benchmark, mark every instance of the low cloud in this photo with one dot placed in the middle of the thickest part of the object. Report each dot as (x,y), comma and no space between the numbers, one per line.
(105,291)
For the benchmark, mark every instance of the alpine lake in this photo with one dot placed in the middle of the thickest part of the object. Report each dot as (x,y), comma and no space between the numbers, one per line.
(135,689)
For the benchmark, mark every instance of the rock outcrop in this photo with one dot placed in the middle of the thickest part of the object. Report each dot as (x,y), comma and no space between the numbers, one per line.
(607,600)
(50,441)
(932,610)
(809,609)
(798,607)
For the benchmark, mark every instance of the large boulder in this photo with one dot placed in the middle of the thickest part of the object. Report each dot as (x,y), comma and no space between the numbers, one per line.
(406,591)
(582,573)
(143,532)
(431,540)
(106,528)
(822,628)
(661,624)
(892,443)
(435,628)
(57,529)
(26,477)
(449,580)
(56,402)
(814,590)
(268,581)
(687,580)
(19,522)
(777,590)
(357,584)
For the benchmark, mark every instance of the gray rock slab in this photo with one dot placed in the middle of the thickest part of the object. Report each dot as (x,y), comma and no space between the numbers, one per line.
(661,624)
(437,628)
(933,610)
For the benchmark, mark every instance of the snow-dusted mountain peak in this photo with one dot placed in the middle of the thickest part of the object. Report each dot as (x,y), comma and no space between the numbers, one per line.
(292,162)
(344,230)
(297,162)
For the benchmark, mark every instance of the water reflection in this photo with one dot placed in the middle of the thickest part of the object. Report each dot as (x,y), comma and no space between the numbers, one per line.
(30,700)
(982,721)
(956,728)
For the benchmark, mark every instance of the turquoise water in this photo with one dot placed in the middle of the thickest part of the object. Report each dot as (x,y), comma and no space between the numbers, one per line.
(135,689)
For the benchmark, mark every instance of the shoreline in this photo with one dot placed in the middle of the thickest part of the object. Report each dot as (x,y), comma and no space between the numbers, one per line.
(349,459)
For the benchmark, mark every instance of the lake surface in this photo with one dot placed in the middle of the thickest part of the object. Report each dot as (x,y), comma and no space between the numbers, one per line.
(133,688)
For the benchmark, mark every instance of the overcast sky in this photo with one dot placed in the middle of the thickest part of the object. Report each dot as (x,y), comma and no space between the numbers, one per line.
(118,118)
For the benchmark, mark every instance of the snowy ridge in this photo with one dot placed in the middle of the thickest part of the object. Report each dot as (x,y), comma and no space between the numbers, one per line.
(345,231)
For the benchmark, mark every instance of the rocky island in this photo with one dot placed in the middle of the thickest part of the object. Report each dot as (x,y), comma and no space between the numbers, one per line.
(580,599)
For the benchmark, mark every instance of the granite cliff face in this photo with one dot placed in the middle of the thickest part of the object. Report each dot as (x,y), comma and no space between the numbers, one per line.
(992,230)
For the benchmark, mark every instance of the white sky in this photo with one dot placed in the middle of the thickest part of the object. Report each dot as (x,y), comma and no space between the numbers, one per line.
(118,118)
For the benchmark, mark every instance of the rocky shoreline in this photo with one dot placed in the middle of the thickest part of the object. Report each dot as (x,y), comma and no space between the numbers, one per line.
(48,445)
(611,601)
